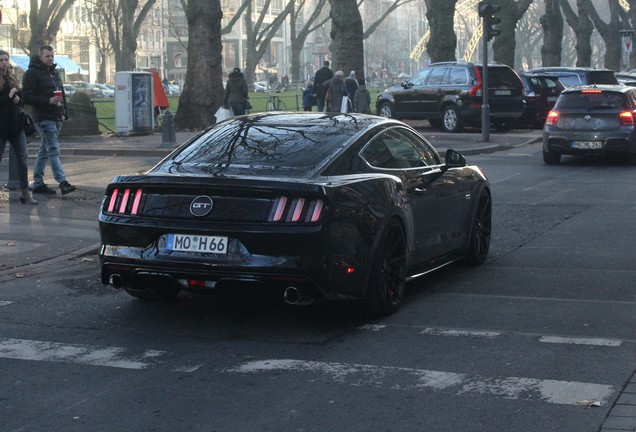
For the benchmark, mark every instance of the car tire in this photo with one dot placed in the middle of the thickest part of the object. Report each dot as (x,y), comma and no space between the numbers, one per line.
(387,110)
(387,279)
(551,157)
(164,293)
(480,231)
(435,123)
(451,119)
(503,125)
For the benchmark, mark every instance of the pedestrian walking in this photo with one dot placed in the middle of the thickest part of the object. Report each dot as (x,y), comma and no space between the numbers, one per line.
(337,90)
(362,98)
(10,126)
(236,92)
(352,86)
(323,74)
(42,89)
(309,96)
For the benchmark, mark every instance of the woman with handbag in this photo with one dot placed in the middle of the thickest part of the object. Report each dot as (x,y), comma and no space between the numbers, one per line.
(10,125)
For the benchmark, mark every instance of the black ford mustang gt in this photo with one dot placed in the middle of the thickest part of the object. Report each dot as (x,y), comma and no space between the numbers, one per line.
(334,206)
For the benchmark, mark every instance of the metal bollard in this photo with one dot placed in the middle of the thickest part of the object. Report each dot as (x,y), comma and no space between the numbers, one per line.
(167,130)
(14,179)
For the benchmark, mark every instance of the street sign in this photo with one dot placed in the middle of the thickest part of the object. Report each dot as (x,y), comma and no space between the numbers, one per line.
(627,43)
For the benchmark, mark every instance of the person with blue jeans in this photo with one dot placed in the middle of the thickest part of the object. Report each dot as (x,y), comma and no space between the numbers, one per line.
(42,89)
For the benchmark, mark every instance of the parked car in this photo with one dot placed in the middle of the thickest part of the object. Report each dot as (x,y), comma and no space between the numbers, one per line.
(626,78)
(88,88)
(311,205)
(597,119)
(449,95)
(174,90)
(69,90)
(108,92)
(574,76)
(540,93)
(261,87)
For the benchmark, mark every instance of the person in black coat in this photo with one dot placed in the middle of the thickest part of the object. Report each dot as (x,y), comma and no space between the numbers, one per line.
(10,126)
(323,74)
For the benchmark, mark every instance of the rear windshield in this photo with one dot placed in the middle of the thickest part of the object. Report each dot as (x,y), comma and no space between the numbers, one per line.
(546,85)
(602,77)
(595,100)
(243,148)
(502,77)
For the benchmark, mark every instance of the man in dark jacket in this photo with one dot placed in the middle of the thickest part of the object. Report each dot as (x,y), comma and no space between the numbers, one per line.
(42,89)
(323,74)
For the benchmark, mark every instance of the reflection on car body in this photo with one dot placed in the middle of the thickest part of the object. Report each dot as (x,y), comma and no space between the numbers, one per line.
(334,206)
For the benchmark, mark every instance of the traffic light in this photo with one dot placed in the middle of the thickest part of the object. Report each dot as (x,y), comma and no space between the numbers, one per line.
(487,11)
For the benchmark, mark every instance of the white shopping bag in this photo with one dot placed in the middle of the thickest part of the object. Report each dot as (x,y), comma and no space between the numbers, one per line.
(223,114)
(344,104)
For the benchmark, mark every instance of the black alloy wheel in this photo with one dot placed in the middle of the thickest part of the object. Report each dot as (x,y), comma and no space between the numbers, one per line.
(481,230)
(388,276)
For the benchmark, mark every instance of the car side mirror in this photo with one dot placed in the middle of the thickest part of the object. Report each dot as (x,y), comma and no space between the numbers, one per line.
(407,84)
(454,159)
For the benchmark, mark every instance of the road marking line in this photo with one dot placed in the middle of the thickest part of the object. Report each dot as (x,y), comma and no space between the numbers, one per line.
(580,341)
(75,353)
(456,333)
(5,303)
(372,327)
(395,378)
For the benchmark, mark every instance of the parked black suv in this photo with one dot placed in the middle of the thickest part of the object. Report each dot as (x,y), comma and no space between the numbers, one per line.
(449,95)
(573,76)
(540,93)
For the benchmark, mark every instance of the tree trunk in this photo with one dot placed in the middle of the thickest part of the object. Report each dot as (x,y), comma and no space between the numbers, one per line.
(582,28)
(443,42)
(45,19)
(203,90)
(346,37)
(552,23)
(504,45)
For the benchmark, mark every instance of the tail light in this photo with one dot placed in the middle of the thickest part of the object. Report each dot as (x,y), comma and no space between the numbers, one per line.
(552,119)
(124,201)
(476,90)
(286,209)
(627,118)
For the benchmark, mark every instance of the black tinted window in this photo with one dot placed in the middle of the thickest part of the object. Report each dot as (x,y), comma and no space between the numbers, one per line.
(398,148)
(437,76)
(592,100)
(502,77)
(602,77)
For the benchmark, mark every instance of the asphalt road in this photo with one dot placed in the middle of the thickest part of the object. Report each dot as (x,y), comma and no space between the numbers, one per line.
(540,338)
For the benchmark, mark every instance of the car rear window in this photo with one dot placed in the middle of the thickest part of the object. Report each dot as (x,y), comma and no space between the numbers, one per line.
(592,100)
(602,77)
(546,85)
(501,77)
(244,148)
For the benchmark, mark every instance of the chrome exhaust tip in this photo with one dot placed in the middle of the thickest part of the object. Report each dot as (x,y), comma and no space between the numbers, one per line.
(116,281)
(295,296)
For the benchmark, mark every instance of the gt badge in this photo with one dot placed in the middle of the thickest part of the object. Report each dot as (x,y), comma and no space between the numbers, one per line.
(201,206)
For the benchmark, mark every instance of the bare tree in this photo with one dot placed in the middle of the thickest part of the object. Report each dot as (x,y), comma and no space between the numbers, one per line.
(504,45)
(203,90)
(45,18)
(443,41)
(98,34)
(346,36)
(610,32)
(298,36)
(582,27)
(552,23)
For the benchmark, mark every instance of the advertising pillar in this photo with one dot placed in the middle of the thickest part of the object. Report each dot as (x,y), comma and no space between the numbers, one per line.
(134,104)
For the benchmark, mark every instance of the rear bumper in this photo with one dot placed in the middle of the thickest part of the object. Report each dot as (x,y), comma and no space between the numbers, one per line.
(612,144)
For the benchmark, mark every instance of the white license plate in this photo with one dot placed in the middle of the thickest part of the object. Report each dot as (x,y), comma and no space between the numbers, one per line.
(196,243)
(588,145)
(503,92)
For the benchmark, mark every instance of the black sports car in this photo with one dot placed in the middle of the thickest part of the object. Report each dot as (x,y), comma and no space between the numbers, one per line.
(334,206)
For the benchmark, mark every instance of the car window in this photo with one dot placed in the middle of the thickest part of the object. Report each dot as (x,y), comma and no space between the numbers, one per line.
(601,77)
(592,100)
(458,76)
(420,78)
(499,76)
(437,76)
(398,148)
(569,80)
(546,85)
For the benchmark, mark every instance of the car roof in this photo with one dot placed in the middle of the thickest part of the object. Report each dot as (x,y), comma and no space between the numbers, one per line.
(567,69)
